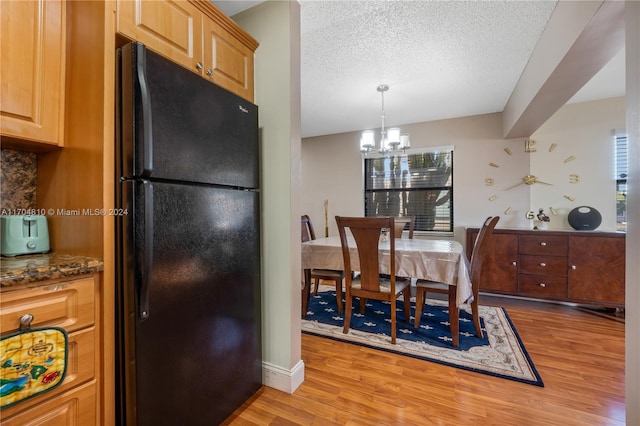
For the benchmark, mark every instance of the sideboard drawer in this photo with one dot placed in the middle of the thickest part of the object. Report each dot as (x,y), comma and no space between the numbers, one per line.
(542,285)
(552,245)
(543,265)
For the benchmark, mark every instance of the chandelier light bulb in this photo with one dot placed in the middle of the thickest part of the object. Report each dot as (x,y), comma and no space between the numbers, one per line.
(405,142)
(394,137)
(367,140)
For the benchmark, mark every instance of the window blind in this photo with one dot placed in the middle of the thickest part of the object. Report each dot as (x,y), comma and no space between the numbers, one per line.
(413,184)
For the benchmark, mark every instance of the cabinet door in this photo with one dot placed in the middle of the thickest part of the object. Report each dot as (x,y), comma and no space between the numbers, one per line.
(499,268)
(81,368)
(228,62)
(596,269)
(76,407)
(33,70)
(170,28)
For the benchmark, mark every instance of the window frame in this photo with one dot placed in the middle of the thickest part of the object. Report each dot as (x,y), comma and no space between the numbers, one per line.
(450,149)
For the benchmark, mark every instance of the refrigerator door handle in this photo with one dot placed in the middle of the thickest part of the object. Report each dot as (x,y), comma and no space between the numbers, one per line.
(147,261)
(145,99)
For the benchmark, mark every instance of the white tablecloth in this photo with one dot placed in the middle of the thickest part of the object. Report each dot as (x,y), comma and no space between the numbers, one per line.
(435,260)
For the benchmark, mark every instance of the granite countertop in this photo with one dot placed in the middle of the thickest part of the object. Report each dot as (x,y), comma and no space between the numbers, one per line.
(33,268)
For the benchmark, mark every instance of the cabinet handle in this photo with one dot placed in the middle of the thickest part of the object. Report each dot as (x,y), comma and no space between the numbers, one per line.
(543,244)
(542,285)
(573,267)
(514,263)
(543,264)
(25,321)
(209,72)
(199,66)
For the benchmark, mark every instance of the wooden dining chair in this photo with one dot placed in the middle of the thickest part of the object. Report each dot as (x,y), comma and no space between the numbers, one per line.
(401,222)
(477,256)
(369,284)
(336,277)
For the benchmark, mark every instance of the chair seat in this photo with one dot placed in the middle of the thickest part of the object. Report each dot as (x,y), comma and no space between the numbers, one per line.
(327,273)
(434,285)
(385,285)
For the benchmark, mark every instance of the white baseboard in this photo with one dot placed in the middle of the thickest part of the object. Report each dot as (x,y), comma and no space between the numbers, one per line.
(282,379)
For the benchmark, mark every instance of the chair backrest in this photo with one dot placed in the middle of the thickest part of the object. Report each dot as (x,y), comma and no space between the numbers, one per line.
(479,251)
(307,232)
(401,222)
(366,233)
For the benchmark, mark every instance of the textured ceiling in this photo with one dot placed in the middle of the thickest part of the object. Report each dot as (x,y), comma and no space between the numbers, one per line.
(441,59)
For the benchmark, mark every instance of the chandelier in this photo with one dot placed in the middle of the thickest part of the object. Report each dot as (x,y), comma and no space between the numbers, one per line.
(390,141)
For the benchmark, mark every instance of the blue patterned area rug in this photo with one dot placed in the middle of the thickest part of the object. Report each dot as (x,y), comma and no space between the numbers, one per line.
(499,353)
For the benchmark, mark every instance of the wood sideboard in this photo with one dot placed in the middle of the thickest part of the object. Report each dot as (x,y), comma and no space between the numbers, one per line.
(583,267)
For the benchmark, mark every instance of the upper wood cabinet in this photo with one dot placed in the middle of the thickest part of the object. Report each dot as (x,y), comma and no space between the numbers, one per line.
(32,73)
(227,62)
(196,35)
(171,28)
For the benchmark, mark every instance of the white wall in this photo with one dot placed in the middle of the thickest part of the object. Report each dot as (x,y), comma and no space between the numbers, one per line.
(276,25)
(586,131)
(632,302)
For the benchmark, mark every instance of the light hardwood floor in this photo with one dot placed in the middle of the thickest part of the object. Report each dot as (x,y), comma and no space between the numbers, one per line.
(580,357)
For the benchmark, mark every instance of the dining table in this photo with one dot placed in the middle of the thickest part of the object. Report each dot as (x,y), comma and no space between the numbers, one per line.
(439,260)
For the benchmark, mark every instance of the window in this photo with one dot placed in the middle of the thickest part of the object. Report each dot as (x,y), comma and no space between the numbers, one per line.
(621,183)
(418,183)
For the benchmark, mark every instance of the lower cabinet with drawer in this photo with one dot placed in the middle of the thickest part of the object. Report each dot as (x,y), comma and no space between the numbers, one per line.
(573,266)
(73,306)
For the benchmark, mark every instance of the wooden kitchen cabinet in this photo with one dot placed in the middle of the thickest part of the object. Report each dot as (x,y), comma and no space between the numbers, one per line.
(571,266)
(71,305)
(77,407)
(196,35)
(227,61)
(32,74)
(170,28)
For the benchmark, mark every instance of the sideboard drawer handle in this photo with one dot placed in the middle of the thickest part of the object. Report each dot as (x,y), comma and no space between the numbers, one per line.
(543,285)
(543,244)
(543,264)
(573,267)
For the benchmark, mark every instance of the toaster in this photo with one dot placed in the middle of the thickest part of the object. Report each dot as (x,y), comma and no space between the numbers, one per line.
(23,234)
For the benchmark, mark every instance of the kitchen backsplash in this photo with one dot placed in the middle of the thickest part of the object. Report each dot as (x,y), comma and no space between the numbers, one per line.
(18,184)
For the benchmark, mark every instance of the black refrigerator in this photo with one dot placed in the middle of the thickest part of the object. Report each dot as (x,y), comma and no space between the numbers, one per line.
(188,306)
